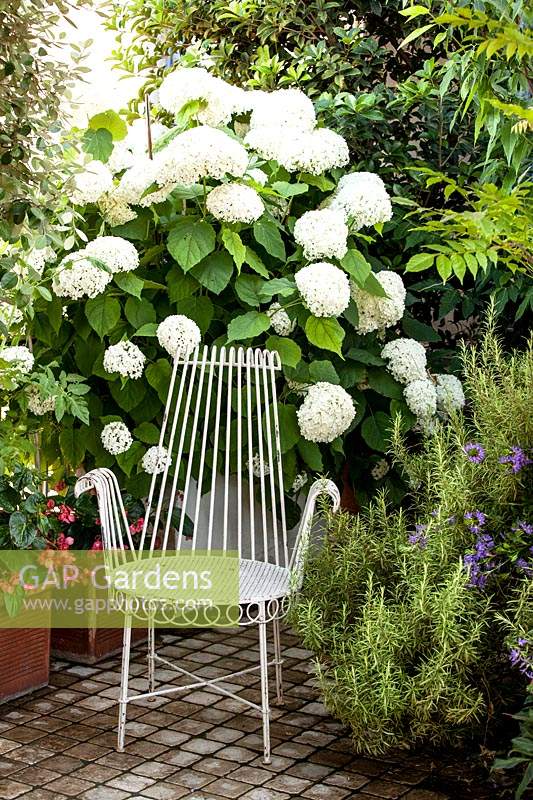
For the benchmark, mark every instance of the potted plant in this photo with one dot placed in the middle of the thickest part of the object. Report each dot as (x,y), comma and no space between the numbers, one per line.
(24,652)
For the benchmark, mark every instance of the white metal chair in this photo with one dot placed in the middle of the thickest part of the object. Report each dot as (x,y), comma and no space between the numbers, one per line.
(221,428)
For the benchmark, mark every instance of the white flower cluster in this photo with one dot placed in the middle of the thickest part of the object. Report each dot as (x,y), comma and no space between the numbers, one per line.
(115,211)
(126,151)
(134,182)
(325,289)
(421,397)
(326,412)
(91,184)
(221,99)
(10,315)
(155,460)
(280,320)
(450,395)
(283,108)
(38,259)
(259,469)
(378,313)
(234,202)
(363,198)
(118,254)
(124,358)
(407,360)
(38,404)
(116,438)
(78,277)
(20,357)
(299,482)
(300,150)
(198,153)
(179,335)
(322,234)
(380,469)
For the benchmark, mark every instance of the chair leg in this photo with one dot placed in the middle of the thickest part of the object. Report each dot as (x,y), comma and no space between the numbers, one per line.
(123,698)
(278,662)
(263,655)
(151,656)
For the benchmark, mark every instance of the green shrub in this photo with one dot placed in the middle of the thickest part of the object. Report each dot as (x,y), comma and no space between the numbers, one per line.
(403,610)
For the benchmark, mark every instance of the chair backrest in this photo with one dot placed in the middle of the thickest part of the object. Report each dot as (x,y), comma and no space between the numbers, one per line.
(222,489)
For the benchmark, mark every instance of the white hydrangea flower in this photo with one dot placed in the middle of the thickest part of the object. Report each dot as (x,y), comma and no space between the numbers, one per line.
(121,158)
(300,151)
(135,181)
(179,335)
(299,482)
(322,234)
(38,404)
(326,412)
(282,108)
(118,254)
(450,395)
(378,313)
(10,315)
(257,175)
(221,99)
(124,358)
(77,277)
(380,469)
(407,360)
(38,259)
(280,320)
(258,469)
(363,198)
(198,153)
(137,136)
(91,184)
(115,211)
(116,438)
(234,202)
(421,397)
(325,289)
(20,357)
(156,459)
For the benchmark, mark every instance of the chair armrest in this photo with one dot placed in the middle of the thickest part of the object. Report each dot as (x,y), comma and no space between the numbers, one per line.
(115,528)
(319,488)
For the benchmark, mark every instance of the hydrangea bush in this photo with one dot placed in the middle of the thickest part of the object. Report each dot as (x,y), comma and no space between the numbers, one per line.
(233,219)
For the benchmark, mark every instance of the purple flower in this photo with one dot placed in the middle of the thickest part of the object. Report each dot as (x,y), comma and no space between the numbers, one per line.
(474,452)
(523,526)
(524,566)
(418,536)
(519,657)
(478,562)
(517,459)
(480,519)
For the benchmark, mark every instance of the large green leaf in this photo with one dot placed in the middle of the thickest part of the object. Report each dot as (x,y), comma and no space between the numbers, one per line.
(128,396)
(158,376)
(139,312)
(310,452)
(199,309)
(375,430)
(214,272)
(325,332)
(129,283)
(99,143)
(365,357)
(289,352)
(323,371)
(179,285)
(288,426)
(280,286)
(254,262)
(419,330)
(356,266)
(248,325)
(383,383)
(420,262)
(72,446)
(249,289)
(22,531)
(131,457)
(268,235)
(234,245)
(103,313)
(110,121)
(147,432)
(190,240)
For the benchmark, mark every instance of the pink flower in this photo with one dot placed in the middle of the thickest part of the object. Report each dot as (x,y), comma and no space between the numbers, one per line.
(66,514)
(50,504)
(97,545)
(64,542)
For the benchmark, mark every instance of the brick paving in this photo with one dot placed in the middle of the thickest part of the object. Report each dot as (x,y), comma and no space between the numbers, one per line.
(59,743)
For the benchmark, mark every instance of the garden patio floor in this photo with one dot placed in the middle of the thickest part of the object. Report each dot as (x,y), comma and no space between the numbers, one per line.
(60,742)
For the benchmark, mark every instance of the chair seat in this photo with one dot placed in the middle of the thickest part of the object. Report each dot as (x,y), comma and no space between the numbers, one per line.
(258,581)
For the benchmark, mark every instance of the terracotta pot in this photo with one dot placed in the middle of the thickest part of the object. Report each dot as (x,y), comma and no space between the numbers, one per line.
(89,645)
(24,661)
